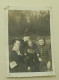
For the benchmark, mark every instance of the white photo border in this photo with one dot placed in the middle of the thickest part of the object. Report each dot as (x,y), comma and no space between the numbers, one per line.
(30,74)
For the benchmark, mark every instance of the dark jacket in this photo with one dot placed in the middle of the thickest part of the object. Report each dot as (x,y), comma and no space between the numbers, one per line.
(19,59)
(32,59)
(45,55)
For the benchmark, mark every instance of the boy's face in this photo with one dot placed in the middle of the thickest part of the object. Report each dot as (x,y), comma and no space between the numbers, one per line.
(41,42)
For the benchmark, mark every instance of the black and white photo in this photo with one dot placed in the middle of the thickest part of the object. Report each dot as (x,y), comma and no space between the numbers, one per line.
(30,45)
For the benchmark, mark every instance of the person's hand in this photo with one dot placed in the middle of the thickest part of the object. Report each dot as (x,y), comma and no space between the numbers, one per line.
(25,54)
(40,59)
(48,65)
(37,55)
(13,64)
(28,50)
(28,68)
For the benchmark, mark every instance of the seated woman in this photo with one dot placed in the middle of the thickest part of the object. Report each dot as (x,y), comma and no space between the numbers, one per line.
(16,59)
(44,56)
(32,60)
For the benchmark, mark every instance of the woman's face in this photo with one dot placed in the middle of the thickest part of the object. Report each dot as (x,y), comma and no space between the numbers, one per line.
(29,42)
(17,44)
(41,42)
(26,38)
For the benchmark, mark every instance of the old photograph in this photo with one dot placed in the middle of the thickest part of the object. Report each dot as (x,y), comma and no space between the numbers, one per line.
(30,44)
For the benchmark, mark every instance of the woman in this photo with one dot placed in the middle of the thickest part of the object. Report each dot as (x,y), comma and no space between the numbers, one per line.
(44,56)
(17,63)
(31,56)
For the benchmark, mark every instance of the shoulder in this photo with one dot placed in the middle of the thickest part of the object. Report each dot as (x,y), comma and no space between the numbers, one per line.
(12,54)
(47,46)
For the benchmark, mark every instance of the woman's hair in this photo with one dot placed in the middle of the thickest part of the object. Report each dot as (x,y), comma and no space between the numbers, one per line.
(14,40)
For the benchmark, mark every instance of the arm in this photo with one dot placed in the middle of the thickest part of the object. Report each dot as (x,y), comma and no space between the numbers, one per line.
(49,59)
(12,61)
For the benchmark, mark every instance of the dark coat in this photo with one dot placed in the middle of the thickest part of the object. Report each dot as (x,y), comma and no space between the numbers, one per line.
(19,59)
(45,55)
(32,59)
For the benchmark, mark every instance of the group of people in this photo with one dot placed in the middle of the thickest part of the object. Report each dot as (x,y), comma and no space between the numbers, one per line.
(27,56)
